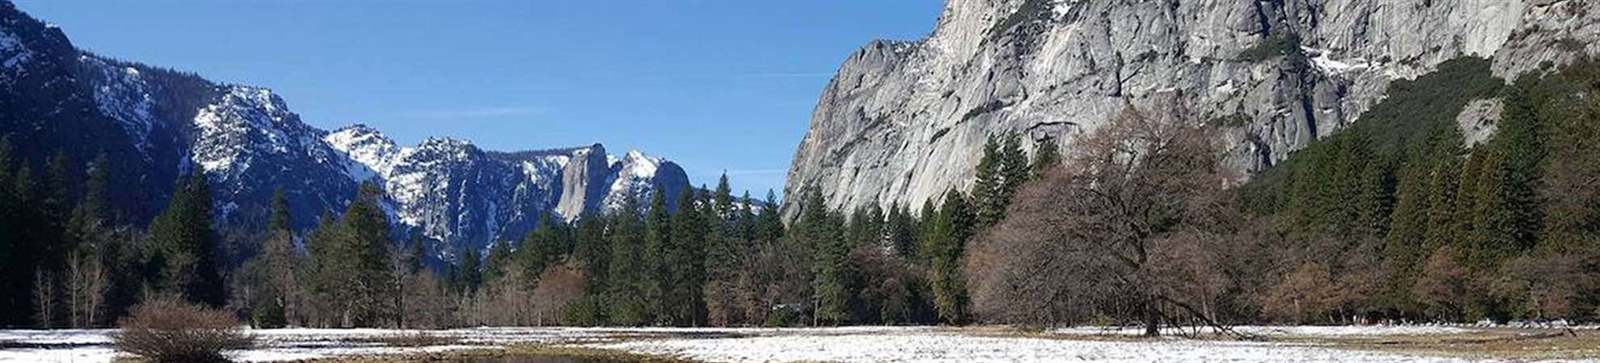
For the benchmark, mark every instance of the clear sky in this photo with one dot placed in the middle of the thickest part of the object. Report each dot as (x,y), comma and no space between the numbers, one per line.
(711,84)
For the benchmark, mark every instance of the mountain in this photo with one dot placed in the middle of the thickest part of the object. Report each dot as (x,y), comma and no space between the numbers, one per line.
(902,122)
(155,124)
(452,191)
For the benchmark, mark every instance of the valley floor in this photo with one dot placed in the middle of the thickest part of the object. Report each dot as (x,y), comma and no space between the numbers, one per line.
(870,344)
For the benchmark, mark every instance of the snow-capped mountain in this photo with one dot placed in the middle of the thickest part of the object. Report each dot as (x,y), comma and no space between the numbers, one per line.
(154,124)
(452,191)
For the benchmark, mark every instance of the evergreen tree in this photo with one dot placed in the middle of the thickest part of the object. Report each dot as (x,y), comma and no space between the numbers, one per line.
(1507,211)
(326,266)
(769,224)
(186,246)
(987,189)
(501,258)
(542,248)
(1425,199)
(278,220)
(33,236)
(722,224)
(366,246)
(469,271)
(630,270)
(14,259)
(686,264)
(866,227)
(1014,170)
(593,253)
(831,271)
(900,230)
(91,217)
(722,199)
(745,224)
(658,248)
(944,248)
(1047,155)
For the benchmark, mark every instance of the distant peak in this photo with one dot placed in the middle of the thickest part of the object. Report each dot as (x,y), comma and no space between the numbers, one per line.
(445,141)
(359,128)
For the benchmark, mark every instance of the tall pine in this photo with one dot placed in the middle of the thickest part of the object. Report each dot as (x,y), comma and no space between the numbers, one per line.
(186,247)
(943,248)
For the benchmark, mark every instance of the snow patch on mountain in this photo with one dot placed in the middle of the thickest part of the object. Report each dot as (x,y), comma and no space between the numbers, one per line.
(370,155)
(119,92)
(12,51)
(635,176)
(246,122)
(451,190)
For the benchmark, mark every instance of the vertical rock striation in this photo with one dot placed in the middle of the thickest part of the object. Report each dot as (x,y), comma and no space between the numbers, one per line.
(903,122)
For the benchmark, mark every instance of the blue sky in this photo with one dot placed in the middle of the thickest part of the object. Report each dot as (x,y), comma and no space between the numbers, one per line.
(714,85)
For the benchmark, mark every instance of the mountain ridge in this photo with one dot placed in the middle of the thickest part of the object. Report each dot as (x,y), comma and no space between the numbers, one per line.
(155,124)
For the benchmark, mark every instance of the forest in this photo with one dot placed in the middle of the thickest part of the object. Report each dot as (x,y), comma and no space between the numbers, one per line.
(1396,218)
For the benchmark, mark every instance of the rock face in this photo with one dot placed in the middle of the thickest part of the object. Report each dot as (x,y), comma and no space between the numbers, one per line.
(903,122)
(154,124)
(449,190)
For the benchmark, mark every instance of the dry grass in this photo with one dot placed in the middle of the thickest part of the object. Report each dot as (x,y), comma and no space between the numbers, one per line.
(1518,344)
(413,339)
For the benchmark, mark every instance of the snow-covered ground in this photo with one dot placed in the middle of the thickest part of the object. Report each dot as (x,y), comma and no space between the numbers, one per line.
(1302,331)
(934,347)
(845,344)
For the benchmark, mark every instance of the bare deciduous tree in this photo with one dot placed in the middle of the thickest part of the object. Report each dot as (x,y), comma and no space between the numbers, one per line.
(559,286)
(44,298)
(86,289)
(1123,228)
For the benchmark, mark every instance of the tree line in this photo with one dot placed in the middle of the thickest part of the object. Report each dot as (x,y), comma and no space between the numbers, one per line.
(1397,218)
(1143,222)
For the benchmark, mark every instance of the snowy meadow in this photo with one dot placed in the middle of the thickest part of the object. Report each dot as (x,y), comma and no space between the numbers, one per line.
(862,344)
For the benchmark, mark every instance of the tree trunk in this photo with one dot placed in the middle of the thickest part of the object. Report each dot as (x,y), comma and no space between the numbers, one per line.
(1152,319)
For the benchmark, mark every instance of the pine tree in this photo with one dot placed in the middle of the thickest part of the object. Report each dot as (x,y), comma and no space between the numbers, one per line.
(186,246)
(630,272)
(944,248)
(866,227)
(819,228)
(722,237)
(91,218)
(1014,170)
(745,224)
(13,290)
(686,264)
(1507,212)
(987,190)
(1425,198)
(1046,156)
(722,199)
(469,271)
(540,249)
(501,258)
(365,245)
(901,232)
(593,251)
(657,255)
(769,224)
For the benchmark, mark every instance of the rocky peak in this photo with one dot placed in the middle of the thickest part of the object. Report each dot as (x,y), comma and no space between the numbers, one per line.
(157,124)
(371,154)
(905,122)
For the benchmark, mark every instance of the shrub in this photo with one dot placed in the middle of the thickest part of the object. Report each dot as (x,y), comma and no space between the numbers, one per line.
(171,330)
